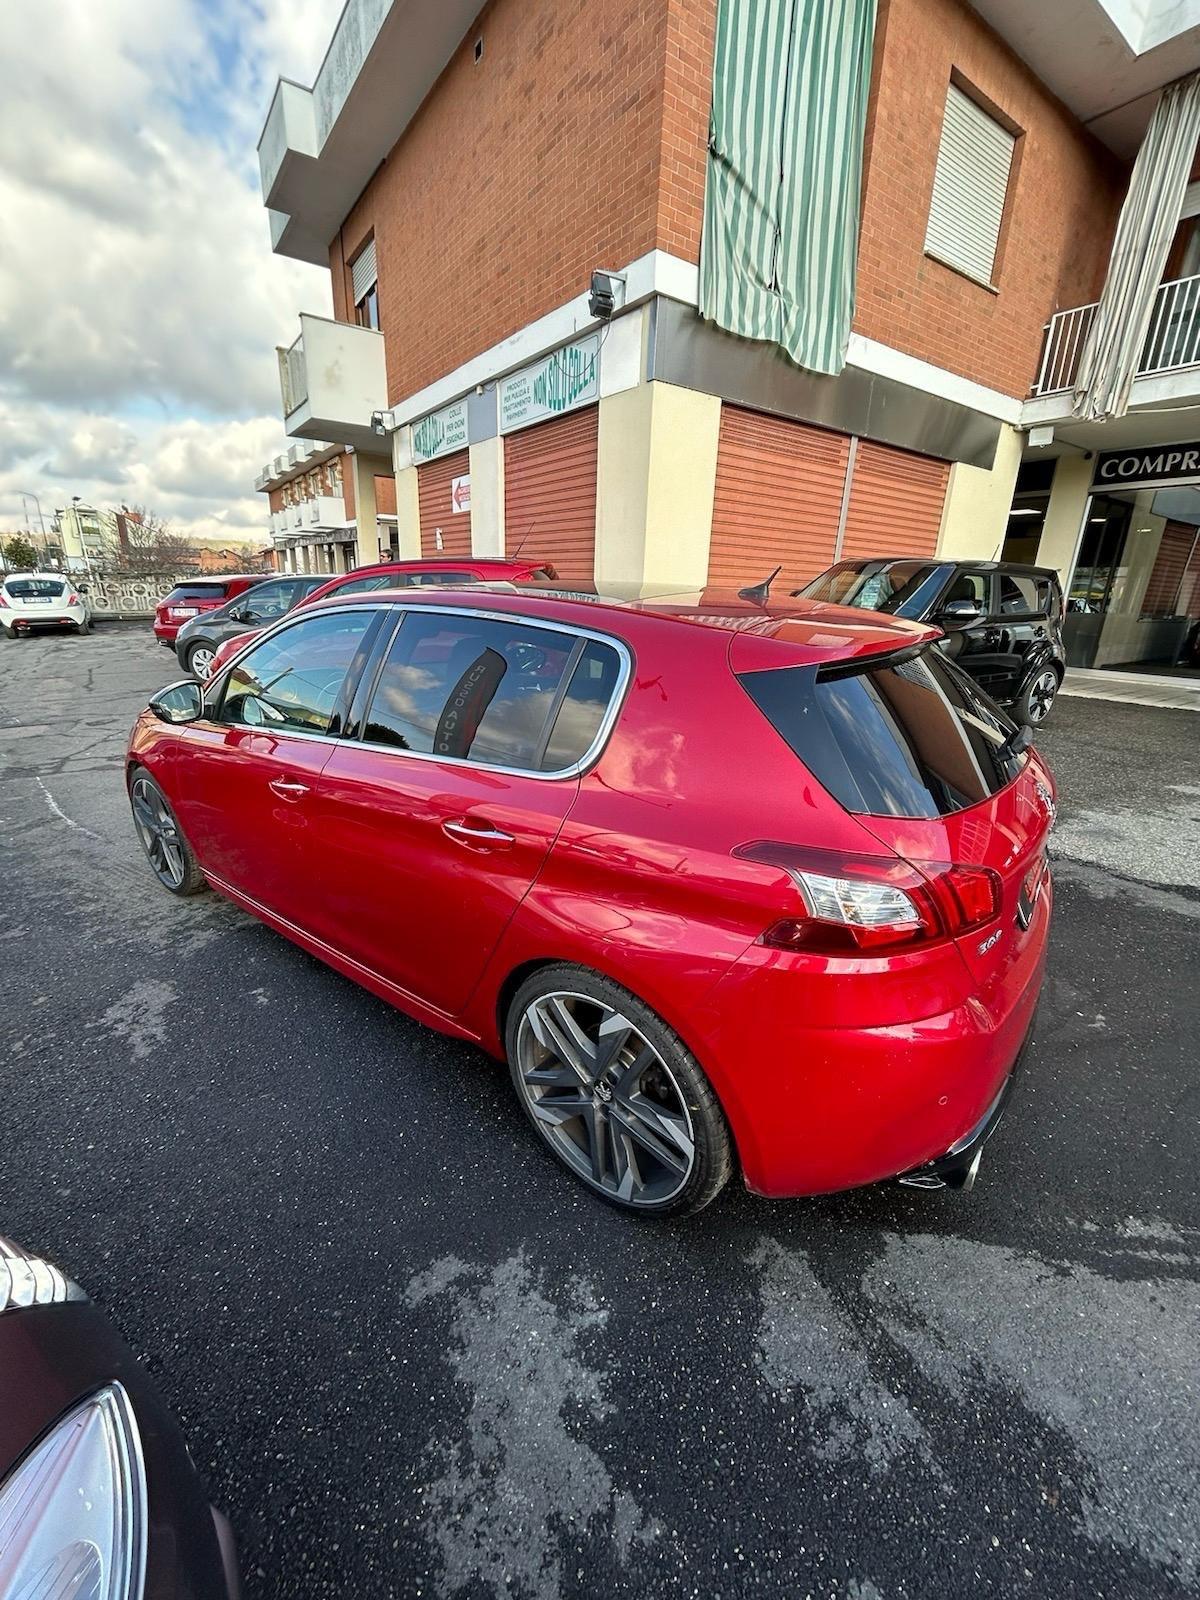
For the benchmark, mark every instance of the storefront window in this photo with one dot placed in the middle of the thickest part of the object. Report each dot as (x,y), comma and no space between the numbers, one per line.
(1028,515)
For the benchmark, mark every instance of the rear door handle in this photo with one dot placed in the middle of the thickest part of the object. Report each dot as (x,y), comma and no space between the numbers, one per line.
(478,834)
(287,790)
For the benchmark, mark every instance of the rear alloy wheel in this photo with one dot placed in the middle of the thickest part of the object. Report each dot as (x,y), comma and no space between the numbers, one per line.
(616,1094)
(167,851)
(1035,703)
(200,660)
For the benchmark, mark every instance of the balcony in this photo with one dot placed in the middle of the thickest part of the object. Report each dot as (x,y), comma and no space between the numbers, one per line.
(1172,343)
(331,380)
(325,512)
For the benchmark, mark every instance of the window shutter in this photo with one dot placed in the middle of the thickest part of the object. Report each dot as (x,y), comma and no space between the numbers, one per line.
(969,188)
(362,270)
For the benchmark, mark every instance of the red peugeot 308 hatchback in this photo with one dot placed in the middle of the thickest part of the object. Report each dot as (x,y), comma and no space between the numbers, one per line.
(728,885)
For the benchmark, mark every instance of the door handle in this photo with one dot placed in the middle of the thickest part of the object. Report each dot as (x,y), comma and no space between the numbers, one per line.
(286,790)
(478,834)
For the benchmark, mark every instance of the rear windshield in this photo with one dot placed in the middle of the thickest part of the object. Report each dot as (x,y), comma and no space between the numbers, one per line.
(195,591)
(903,588)
(35,588)
(914,737)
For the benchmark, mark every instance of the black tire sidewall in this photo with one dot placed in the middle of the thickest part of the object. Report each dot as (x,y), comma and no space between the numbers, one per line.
(713,1143)
(1022,705)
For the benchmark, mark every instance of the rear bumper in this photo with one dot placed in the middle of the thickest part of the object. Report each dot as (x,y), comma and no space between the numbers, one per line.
(958,1167)
(165,633)
(26,622)
(814,1110)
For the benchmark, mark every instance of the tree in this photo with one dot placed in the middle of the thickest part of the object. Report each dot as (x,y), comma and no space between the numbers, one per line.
(20,554)
(142,541)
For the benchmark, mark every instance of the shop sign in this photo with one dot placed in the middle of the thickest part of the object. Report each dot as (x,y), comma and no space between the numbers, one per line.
(440,432)
(1144,468)
(460,493)
(561,382)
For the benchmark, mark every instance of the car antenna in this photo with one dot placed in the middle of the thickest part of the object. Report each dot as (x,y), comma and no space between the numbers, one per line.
(759,593)
(524,536)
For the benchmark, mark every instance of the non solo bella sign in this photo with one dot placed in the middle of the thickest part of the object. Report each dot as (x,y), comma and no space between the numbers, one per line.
(559,382)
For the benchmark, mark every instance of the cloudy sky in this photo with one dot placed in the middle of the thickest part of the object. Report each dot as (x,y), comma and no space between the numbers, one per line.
(140,305)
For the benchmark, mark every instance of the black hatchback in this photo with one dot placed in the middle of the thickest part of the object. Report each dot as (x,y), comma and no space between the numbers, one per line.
(1003,621)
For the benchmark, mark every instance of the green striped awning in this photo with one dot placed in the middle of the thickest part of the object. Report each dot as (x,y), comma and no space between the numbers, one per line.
(779,250)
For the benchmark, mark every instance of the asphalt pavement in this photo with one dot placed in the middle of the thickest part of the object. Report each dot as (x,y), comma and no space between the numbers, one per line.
(415,1359)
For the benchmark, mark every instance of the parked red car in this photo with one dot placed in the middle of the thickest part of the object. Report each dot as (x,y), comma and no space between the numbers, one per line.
(729,885)
(429,571)
(194,595)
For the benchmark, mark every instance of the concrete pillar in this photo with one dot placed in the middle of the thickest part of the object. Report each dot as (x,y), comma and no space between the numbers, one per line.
(487,497)
(408,514)
(655,479)
(978,500)
(1069,495)
(364,469)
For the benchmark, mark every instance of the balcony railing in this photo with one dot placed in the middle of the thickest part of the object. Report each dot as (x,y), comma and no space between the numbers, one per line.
(1172,342)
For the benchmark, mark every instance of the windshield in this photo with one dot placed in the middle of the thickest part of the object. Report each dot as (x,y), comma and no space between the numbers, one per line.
(903,588)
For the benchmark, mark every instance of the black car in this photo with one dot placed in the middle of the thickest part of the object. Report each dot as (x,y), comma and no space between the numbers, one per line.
(98,1495)
(200,638)
(1003,621)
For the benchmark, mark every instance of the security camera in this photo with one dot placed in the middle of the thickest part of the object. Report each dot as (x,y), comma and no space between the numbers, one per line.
(383,423)
(607,293)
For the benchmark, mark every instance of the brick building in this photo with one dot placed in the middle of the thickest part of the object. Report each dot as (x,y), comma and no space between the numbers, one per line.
(462,173)
(313,512)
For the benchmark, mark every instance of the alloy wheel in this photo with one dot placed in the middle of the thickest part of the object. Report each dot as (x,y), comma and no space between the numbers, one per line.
(604,1098)
(200,661)
(157,831)
(1041,695)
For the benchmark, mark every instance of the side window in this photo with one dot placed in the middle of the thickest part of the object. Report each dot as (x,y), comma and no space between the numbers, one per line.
(365,585)
(1018,596)
(267,601)
(472,688)
(291,682)
(439,578)
(970,586)
(589,693)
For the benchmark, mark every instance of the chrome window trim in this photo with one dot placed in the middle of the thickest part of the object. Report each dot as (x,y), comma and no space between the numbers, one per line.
(575,631)
(403,609)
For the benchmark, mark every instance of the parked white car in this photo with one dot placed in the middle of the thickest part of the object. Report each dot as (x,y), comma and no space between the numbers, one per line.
(30,600)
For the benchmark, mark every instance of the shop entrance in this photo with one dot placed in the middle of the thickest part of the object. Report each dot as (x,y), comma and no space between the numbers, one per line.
(1134,597)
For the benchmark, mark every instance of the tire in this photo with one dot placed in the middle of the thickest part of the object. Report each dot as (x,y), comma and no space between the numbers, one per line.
(629,1112)
(169,854)
(1035,702)
(83,629)
(200,659)
(10,633)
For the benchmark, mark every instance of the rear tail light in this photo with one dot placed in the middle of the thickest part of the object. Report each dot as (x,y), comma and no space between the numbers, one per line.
(72,598)
(3,601)
(864,903)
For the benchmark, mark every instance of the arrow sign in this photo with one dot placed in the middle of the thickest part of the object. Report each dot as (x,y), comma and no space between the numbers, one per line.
(460,494)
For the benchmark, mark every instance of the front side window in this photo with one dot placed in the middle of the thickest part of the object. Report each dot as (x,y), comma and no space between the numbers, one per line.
(292,682)
(266,602)
(910,738)
(505,694)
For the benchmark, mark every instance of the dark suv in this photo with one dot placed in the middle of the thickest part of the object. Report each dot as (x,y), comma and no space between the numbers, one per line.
(1003,621)
(198,641)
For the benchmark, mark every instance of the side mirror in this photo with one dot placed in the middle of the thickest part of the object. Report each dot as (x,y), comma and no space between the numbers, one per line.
(179,702)
(239,614)
(960,612)
(81,588)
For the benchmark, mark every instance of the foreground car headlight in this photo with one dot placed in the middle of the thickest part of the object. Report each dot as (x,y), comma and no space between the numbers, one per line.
(73,1514)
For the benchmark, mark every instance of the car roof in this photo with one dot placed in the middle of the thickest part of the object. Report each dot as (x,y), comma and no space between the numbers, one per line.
(426,563)
(812,630)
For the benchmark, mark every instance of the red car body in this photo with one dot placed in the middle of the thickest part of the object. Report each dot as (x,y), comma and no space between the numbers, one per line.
(662,866)
(427,571)
(206,594)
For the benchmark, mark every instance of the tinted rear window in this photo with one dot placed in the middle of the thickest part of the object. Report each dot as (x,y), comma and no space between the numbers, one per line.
(912,738)
(35,588)
(195,591)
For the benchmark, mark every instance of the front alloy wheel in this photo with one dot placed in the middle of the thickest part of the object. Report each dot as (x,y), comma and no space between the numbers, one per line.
(616,1095)
(166,849)
(1039,697)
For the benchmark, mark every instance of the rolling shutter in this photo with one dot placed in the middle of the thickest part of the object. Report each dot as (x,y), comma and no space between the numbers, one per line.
(778,498)
(362,270)
(434,485)
(550,494)
(970,184)
(896,501)
(1167,593)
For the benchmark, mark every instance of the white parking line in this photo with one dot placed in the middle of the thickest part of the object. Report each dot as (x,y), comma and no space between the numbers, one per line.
(62,815)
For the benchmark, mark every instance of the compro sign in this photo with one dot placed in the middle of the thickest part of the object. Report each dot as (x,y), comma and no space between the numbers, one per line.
(440,432)
(560,382)
(1147,467)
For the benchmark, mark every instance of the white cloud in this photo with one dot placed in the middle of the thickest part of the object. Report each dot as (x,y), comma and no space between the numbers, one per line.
(139,301)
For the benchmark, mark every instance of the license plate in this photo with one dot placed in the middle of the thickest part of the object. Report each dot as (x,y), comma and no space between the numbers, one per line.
(184,611)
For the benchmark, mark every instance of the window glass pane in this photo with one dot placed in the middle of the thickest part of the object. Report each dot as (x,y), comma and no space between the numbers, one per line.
(579,717)
(267,601)
(365,585)
(915,739)
(469,687)
(196,591)
(34,588)
(292,681)
(1018,596)
(442,578)
(899,587)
